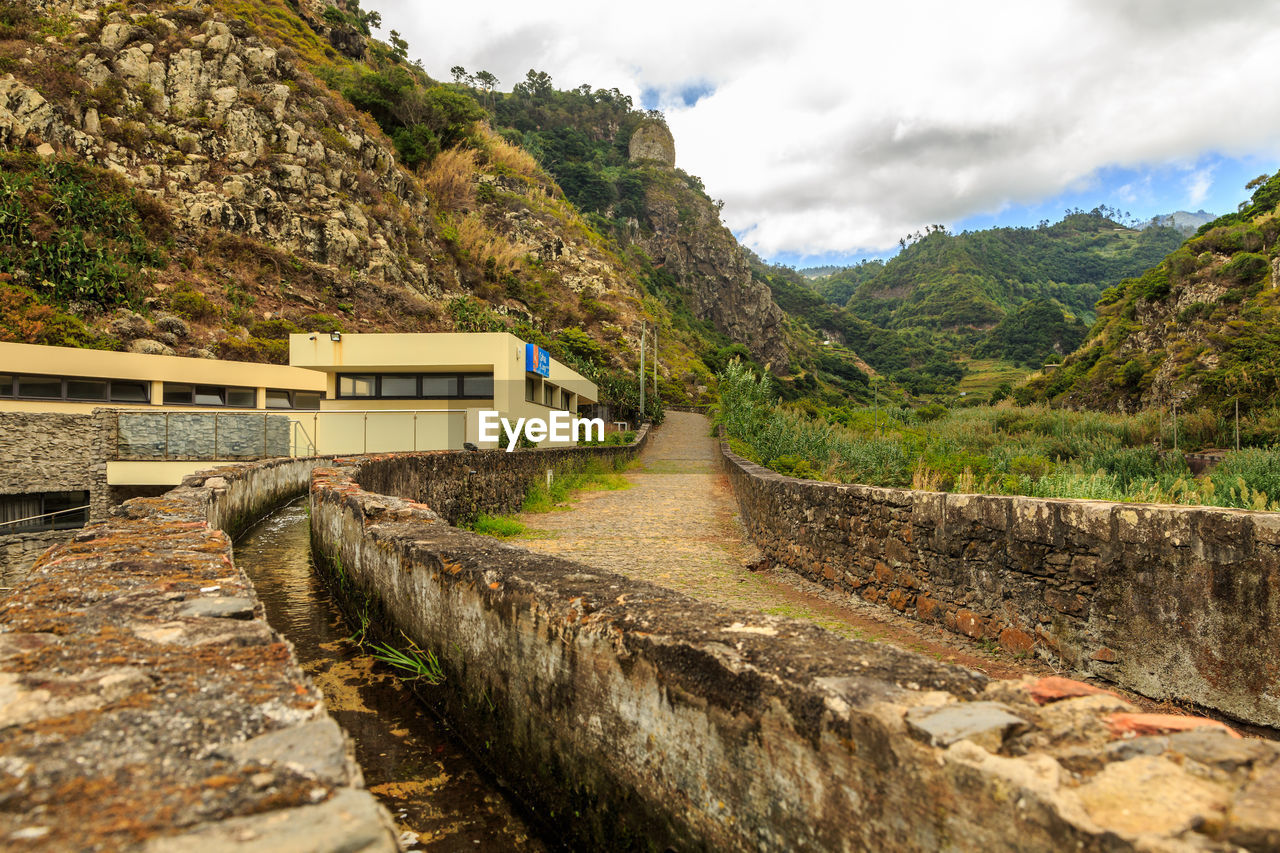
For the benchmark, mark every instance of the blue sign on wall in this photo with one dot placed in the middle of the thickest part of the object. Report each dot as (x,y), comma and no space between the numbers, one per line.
(537,360)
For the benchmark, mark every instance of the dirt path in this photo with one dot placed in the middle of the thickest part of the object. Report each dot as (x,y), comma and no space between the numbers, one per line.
(677,526)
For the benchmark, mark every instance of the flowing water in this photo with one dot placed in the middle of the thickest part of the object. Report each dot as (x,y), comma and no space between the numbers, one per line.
(427,781)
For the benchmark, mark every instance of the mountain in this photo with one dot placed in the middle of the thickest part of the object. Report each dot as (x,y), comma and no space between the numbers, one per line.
(1199,328)
(205,178)
(1182,221)
(966,283)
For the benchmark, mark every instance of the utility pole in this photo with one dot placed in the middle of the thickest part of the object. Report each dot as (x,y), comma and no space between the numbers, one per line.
(640,420)
(656,400)
(875,417)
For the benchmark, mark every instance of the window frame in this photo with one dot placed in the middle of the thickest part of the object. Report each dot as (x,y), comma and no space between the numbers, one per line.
(459,376)
(13,382)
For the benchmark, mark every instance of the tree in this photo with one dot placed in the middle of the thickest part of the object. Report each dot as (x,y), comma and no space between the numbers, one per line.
(459,74)
(537,85)
(487,83)
(399,47)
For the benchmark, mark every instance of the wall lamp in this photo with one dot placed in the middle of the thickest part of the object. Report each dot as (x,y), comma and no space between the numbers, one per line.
(335,336)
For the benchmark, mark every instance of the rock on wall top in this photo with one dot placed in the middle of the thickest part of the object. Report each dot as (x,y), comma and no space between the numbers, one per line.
(653,141)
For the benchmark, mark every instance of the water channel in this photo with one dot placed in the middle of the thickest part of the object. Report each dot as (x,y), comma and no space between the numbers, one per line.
(429,783)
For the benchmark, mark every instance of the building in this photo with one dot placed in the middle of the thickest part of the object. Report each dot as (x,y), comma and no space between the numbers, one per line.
(84,430)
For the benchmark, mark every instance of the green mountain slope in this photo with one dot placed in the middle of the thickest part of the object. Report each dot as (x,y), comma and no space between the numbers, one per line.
(1199,328)
(969,282)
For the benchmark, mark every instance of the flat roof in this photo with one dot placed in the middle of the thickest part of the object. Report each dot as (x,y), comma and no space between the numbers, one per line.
(33,359)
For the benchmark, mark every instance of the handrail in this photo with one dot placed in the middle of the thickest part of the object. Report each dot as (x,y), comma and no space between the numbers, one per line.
(44,515)
(142,435)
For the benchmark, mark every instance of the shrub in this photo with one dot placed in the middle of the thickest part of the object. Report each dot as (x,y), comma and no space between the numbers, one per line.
(193,305)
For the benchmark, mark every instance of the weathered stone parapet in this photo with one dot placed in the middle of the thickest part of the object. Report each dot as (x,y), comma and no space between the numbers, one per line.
(460,485)
(633,717)
(146,704)
(1172,602)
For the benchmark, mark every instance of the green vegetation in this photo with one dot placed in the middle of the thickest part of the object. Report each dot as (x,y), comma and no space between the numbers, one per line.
(76,234)
(1033,451)
(501,526)
(418,664)
(593,476)
(1199,328)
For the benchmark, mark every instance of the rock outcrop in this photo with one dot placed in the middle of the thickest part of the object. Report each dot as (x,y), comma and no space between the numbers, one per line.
(689,241)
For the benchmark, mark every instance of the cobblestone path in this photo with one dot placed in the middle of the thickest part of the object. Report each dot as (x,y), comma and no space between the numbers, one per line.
(677,526)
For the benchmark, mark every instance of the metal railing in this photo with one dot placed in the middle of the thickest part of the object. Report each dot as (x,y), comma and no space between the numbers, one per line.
(5,525)
(392,430)
(149,436)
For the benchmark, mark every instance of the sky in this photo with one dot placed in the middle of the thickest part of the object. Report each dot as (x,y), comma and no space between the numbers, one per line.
(832,129)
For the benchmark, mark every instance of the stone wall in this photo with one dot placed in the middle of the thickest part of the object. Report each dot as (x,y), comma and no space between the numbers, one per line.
(43,452)
(1173,602)
(147,705)
(460,485)
(632,717)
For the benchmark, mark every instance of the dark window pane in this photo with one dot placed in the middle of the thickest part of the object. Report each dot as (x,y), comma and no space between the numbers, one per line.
(549,395)
(65,510)
(178,395)
(130,392)
(277,399)
(568,401)
(242,398)
(399,385)
(531,390)
(477,386)
(86,389)
(356,386)
(6,385)
(43,387)
(437,386)
(307,399)
(209,395)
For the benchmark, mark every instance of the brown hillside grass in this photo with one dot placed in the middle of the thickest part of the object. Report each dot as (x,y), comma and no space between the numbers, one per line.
(450,180)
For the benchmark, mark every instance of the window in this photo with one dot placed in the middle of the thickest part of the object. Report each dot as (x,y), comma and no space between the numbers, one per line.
(549,395)
(178,395)
(398,385)
(477,385)
(208,395)
(40,387)
(242,398)
(307,399)
(530,389)
(279,399)
(416,386)
(568,401)
(43,511)
(74,389)
(124,391)
(437,386)
(357,386)
(88,389)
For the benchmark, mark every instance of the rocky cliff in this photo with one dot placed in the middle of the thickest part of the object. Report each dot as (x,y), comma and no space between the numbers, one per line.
(689,241)
(287,208)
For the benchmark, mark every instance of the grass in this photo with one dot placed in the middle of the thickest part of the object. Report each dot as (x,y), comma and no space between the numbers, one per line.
(984,375)
(1006,449)
(594,476)
(418,664)
(501,526)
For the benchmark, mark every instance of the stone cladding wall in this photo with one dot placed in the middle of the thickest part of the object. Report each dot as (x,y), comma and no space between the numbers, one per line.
(41,452)
(1173,602)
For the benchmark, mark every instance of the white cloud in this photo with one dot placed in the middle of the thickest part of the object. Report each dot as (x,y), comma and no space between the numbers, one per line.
(838,126)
